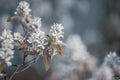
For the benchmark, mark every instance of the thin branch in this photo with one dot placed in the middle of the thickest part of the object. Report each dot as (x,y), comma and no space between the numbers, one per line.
(25,68)
(29,64)
(14,72)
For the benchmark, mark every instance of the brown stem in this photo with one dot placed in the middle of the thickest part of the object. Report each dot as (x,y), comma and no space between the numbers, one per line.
(33,61)
(14,73)
(24,67)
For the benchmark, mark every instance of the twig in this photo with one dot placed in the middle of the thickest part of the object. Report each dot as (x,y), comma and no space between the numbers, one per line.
(14,72)
(29,63)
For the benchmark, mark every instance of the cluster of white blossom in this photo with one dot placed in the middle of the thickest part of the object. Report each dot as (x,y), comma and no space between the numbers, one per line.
(103,73)
(112,60)
(32,24)
(38,40)
(18,37)
(57,33)
(23,8)
(37,37)
(6,50)
(78,48)
(34,42)
(109,68)
(36,23)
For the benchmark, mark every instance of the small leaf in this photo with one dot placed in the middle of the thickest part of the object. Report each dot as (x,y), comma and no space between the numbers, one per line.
(49,38)
(60,49)
(11,18)
(2,65)
(47,62)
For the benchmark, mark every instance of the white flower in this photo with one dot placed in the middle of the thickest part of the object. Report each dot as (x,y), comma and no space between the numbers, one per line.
(33,24)
(56,32)
(18,37)
(7,35)
(36,23)
(7,60)
(7,45)
(110,58)
(78,48)
(6,51)
(23,9)
(38,39)
(103,73)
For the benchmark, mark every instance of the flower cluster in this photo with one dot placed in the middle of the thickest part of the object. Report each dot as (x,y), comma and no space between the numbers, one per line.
(109,69)
(33,41)
(36,23)
(112,60)
(18,37)
(23,8)
(38,40)
(57,33)
(6,50)
(79,51)
(103,73)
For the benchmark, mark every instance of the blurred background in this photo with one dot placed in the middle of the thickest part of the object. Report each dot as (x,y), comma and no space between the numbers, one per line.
(92,30)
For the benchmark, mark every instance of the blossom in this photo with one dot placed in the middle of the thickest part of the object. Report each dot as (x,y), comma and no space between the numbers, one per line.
(110,58)
(38,40)
(103,73)
(23,9)
(18,37)
(6,51)
(78,48)
(107,70)
(36,23)
(56,32)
